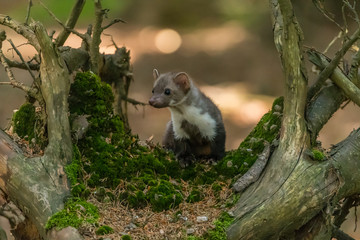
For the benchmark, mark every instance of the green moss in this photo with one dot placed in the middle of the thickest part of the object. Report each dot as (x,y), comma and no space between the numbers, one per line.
(126,237)
(164,196)
(318,155)
(74,173)
(136,199)
(73,169)
(230,202)
(24,121)
(216,187)
(267,130)
(104,230)
(195,196)
(110,155)
(221,224)
(89,95)
(219,232)
(76,211)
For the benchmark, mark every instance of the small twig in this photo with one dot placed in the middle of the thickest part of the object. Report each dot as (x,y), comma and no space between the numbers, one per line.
(5,83)
(344,17)
(80,35)
(20,45)
(340,34)
(319,5)
(133,101)
(353,10)
(22,59)
(112,40)
(28,12)
(10,74)
(114,21)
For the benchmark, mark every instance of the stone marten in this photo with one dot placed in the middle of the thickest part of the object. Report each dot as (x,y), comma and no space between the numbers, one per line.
(196,129)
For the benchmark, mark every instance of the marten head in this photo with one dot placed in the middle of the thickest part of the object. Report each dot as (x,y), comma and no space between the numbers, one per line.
(170,89)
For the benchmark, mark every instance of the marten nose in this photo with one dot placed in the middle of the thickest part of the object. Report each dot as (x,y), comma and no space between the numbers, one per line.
(151,102)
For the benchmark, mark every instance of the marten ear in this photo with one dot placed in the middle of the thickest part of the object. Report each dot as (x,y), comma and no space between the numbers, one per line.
(182,80)
(156,74)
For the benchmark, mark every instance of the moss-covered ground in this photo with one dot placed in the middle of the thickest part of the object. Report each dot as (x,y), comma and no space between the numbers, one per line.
(111,165)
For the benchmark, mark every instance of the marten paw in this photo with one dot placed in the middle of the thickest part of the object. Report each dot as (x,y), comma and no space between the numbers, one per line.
(185,161)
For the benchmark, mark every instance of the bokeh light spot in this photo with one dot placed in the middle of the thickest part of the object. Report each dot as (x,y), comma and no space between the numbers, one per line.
(167,41)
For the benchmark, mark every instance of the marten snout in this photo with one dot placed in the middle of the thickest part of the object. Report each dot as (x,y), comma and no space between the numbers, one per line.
(151,102)
(157,103)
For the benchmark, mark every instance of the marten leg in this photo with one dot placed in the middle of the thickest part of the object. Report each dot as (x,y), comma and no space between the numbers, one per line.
(184,152)
(218,144)
(169,139)
(181,148)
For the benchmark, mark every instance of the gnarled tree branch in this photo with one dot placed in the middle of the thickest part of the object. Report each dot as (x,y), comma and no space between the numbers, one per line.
(21,29)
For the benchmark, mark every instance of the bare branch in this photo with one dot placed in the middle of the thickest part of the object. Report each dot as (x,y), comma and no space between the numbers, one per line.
(13,81)
(21,29)
(328,70)
(28,12)
(22,59)
(70,23)
(21,65)
(339,78)
(319,5)
(96,37)
(117,20)
(10,74)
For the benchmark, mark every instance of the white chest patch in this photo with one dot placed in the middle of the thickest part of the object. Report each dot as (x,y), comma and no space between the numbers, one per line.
(205,123)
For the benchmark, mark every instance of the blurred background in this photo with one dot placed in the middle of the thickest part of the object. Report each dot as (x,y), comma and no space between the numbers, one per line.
(225,46)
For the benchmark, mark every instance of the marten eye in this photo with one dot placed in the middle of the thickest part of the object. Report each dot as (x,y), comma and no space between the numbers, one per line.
(167,91)
(152,91)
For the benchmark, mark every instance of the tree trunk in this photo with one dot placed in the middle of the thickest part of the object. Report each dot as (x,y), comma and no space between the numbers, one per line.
(288,196)
(39,185)
(295,195)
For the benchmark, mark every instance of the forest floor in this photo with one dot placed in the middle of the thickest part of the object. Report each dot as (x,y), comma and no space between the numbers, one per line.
(188,219)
